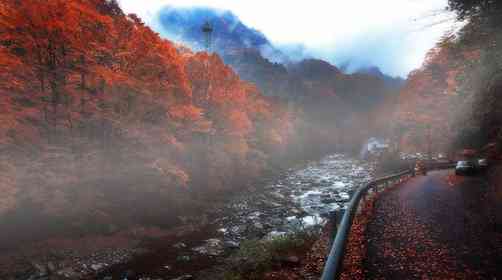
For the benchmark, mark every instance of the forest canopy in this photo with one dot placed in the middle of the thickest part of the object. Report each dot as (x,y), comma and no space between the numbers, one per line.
(96,108)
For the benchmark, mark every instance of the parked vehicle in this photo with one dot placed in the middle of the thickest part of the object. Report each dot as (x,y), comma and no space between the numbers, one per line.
(482,164)
(465,167)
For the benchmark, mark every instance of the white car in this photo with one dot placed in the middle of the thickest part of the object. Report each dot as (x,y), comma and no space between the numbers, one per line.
(465,167)
(482,163)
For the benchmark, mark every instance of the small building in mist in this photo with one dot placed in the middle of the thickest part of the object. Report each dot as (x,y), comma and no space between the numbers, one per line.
(374,148)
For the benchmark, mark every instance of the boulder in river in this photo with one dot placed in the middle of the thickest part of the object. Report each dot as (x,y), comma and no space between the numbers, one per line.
(258,225)
(275,234)
(180,245)
(97,266)
(68,272)
(212,247)
(329,200)
(229,244)
(41,270)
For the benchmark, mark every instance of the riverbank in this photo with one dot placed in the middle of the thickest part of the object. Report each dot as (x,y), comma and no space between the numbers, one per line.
(297,198)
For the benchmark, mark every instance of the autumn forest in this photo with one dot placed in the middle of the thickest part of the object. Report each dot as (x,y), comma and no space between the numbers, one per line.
(91,93)
(97,109)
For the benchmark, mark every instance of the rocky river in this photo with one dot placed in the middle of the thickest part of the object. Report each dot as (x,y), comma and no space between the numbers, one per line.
(299,198)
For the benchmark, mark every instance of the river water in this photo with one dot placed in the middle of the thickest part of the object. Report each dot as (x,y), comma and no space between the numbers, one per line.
(299,198)
(303,197)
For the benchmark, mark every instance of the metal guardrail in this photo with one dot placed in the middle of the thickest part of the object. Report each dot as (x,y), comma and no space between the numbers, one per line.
(334,263)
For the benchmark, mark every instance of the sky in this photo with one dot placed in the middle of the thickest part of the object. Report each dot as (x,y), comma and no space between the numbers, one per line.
(394,35)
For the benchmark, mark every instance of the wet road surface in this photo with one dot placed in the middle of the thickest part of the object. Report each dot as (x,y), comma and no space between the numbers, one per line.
(430,229)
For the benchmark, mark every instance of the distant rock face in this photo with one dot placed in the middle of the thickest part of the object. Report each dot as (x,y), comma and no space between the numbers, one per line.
(229,33)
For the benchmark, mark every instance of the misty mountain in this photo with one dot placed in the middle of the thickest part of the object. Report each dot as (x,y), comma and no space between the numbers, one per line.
(326,93)
(375,71)
(246,49)
(229,33)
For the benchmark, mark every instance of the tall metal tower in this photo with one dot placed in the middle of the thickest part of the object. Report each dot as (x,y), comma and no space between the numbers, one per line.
(207,29)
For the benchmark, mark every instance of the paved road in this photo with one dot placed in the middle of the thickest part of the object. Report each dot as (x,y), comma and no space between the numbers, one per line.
(429,229)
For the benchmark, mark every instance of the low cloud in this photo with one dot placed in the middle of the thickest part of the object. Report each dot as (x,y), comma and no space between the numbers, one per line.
(393,35)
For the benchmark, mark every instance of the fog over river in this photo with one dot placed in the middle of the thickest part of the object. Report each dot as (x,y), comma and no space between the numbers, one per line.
(299,198)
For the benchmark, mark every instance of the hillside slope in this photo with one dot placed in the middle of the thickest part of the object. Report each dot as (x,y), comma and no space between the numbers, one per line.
(327,96)
(98,112)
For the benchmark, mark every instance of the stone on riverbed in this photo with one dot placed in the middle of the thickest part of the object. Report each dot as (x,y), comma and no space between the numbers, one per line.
(329,200)
(212,247)
(275,234)
(41,270)
(180,245)
(344,196)
(229,244)
(68,272)
(258,225)
(255,215)
(98,266)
